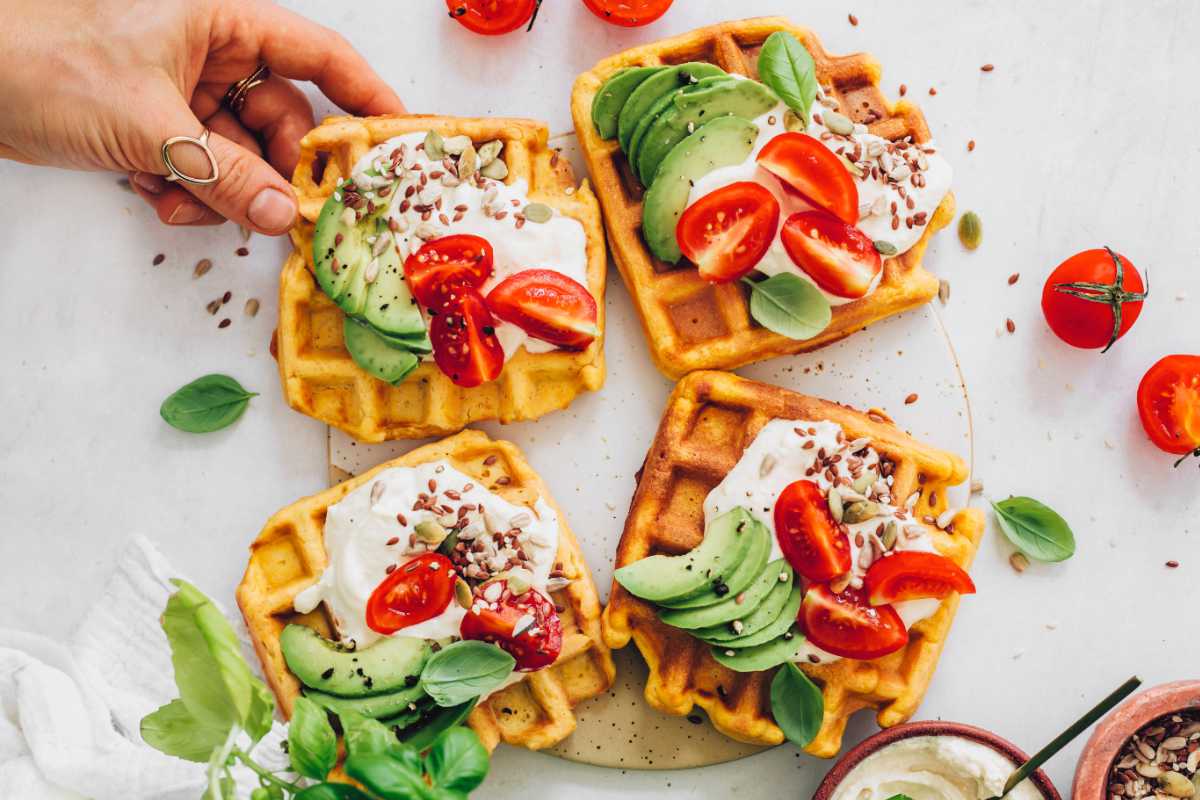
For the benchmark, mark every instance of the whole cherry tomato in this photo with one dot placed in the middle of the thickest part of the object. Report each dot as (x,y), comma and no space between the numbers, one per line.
(1093,298)
(628,13)
(493,17)
(414,592)
(526,626)
(1168,400)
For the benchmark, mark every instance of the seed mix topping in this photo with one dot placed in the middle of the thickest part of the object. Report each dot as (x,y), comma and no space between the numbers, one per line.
(1160,760)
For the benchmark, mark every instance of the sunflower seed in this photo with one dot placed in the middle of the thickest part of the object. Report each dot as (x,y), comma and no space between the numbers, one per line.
(456,145)
(946,517)
(489,151)
(944,291)
(557,584)
(520,520)
(837,123)
(768,464)
(251,307)
(377,491)
(496,170)
(519,579)
(526,622)
(434,146)
(372,271)
(427,231)
(865,481)
(202,267)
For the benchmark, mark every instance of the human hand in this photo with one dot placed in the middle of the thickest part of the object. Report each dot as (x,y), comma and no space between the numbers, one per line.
(101,84)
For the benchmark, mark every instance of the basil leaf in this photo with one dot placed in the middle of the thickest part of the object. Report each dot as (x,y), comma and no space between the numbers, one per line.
(789,305)
(331,791)
(366,737)
(262,711)
(796,704)
(312,744)
(388,778)
(173,730)
(465,670)
(785,66)
(206,404)
(899,797)
(1035,529)
(458,760)
(443,719)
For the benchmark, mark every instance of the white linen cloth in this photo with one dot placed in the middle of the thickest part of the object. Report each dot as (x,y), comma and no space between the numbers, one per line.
(70,713)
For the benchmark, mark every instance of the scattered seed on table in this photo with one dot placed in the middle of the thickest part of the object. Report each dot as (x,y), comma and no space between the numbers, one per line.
(853,19)
(243,251)
(252,306)
(944,291)
(1016,276)
(971,146)
(912,398)
(976,486)
(158,259)
(225,323)
(1173,564)
(1012,326)
(1019,561)
(202,267)
(213,307)
(932,91)
(988,67)
(903,90)
(225,298)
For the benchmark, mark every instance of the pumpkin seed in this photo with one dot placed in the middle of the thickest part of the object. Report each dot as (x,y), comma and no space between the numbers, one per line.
(468,163)
(864,481)
(970,230)
(431,532)
(462,593)
(489,151)
(890,533)
(860,512)
(454,145)
(854,168)
(836,508)
(538,212)
(435,146)
(497,170)
(520,580)
(837,123)
(792,121)
(885,248)
(1176,784)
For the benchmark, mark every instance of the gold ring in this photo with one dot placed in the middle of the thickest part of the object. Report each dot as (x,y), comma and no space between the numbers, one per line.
(235,98)
(200,141)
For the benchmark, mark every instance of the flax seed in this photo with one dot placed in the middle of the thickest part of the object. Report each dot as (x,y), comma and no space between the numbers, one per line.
(1016,276)
(1010,325)
(853,19)
(225,323)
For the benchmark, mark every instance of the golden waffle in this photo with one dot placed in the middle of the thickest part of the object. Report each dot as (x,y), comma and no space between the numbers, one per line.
(690,323)
(319,377)
(289,555)
(710,419)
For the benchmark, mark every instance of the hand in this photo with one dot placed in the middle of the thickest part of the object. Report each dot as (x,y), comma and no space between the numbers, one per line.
(101,84)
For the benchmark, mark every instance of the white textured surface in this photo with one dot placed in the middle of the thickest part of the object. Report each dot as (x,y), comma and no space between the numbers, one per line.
(1077,147)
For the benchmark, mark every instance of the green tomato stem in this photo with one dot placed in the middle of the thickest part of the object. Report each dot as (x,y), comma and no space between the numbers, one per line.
(253,766)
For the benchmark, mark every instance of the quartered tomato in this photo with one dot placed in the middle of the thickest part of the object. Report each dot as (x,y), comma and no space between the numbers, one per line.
(726,232)
(839,257)
(1168,400)
(628,13)
(1093,298)
(493,17)
(464,341)
(811,541)
(440,269)
(526,626)
(915,575)
(845,625)
(548,306)
(811,168)
(412,593)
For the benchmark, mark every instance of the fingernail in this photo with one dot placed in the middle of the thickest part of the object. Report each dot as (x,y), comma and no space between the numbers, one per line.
(149,183)
(186,213)
(272,210)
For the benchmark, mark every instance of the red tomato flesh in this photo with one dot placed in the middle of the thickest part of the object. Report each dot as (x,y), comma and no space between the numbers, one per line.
(1168,400)
(914,575)
(439,270)
(727,232)
(464,341)
(811,541)
(491,17)
(548,306)
(530,615)
(838,257)
(628,13)
(1090,324)
(809,167)
(845,625)
(413,592)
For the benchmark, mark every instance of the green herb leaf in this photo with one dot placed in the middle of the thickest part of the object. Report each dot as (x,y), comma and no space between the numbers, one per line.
(1035,529)
(785,66)
(458,760)
(312,744)
(388,777)
(173,730)
(366,737)
(206,404)
(331,791)
(796,704)
(262,711)
(443,719)
(465,670)
(789,305)
(899,797)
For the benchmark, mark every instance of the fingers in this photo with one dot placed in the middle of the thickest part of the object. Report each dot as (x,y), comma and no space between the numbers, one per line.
(249,191)
(173,205)
(275,110)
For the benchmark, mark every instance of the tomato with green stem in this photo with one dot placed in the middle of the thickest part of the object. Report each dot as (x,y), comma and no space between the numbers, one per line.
(1093,298)
(1168,400)
(493,17)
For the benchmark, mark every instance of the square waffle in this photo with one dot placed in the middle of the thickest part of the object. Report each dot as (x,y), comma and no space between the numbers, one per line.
(319,377)
(289,556)
(692,324)
(710,419)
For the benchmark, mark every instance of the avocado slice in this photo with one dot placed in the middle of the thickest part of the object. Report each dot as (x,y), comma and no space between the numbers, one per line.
(787,647)
(665,577)
(719,143)
(390,307)
(607,105)
(691,107)
(434,724)
(737,577)
(651,89)
(660,106)
(329,667)
(417,343)
(378,356)
(730,609)
(376,706)
(341,254)
(411,717)
(763,624)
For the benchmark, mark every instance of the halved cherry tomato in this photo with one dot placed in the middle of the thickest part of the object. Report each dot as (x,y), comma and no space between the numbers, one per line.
(725,233)
(628,13)
(1093,298)
(811,541)
(915,575)
(493,17)
(548,306)
(811,168)
(440,269)
(845,625)
(464,341)
(1168,401)
(413,592)
(531,616)
(839,257)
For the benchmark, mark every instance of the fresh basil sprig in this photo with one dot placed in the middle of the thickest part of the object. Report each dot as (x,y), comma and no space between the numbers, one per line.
(785,66)
(206,404)
(457,762)
(1035,529)
(465,670)
(797,705)
(789,305)
(312,744)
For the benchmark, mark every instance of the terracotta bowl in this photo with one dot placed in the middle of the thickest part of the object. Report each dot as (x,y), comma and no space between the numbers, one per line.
(932,728)
(1091,776)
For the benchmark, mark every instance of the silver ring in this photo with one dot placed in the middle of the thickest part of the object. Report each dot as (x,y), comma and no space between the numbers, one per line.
(235,97)
(200,141)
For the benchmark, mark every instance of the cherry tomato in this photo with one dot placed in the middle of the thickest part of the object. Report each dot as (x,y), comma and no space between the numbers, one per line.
(493,17)
(811,541)
(1168,401)
(845,625)
(440,269)
(531,616)
(628,13)
(838,257)
(725,233)
(915,575)
(548,306)
(1092,299)
(465,346)
(413,592)
(811,168)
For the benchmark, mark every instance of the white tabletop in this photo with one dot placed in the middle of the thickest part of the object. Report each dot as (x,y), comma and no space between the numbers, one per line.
(1073,151)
